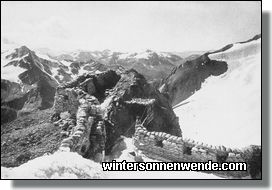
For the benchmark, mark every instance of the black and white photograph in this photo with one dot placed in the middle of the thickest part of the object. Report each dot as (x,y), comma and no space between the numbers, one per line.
(131,90)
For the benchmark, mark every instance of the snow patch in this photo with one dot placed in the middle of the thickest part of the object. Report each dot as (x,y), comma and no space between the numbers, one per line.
(106,103)
(125,155)
(70,165)
(143,55)
(11,72)
(81,71)
(124,55)
(60,165)
(97,72)
(66,63)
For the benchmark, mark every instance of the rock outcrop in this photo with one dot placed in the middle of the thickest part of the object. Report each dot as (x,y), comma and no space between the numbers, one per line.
(112,101)
(188,77)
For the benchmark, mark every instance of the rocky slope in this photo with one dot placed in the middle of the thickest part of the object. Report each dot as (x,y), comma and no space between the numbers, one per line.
(114,99)
(187,78)
(28,137)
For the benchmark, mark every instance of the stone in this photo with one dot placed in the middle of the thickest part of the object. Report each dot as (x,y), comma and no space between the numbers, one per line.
(194,149)
(65,145)
(202,150)
(64,148)
(81,122)
(236,150)
(223,148)
(64,132)
(140,131)
(78,133)
(163,135)
(229,150)
(64,126)
(179,139)
(175,139)
(71,127)
(231,154)
(170,138)
(152,136)
(81,113)
(76,136)
(67,141)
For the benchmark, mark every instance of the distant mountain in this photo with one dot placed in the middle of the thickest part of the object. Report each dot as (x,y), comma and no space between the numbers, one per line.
(29,77)
(153,65)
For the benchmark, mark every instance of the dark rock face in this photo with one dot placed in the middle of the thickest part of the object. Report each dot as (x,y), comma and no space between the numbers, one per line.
(10,90)
(40,97)
(187,78)
(122,114)
(7,114)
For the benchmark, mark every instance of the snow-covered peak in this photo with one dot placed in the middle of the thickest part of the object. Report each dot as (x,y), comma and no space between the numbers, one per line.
(237,50)
(17,52)
(144,55)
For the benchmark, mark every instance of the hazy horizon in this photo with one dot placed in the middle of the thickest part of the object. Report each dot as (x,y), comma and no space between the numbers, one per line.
(130,26)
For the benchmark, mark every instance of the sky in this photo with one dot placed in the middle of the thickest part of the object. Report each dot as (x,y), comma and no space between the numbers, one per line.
(130,26)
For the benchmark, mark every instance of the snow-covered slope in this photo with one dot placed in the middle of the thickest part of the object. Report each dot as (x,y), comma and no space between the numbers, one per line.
(66,165)
(70,165)
(227,109)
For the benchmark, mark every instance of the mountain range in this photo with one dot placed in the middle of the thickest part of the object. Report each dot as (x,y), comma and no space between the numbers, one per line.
(29,77)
